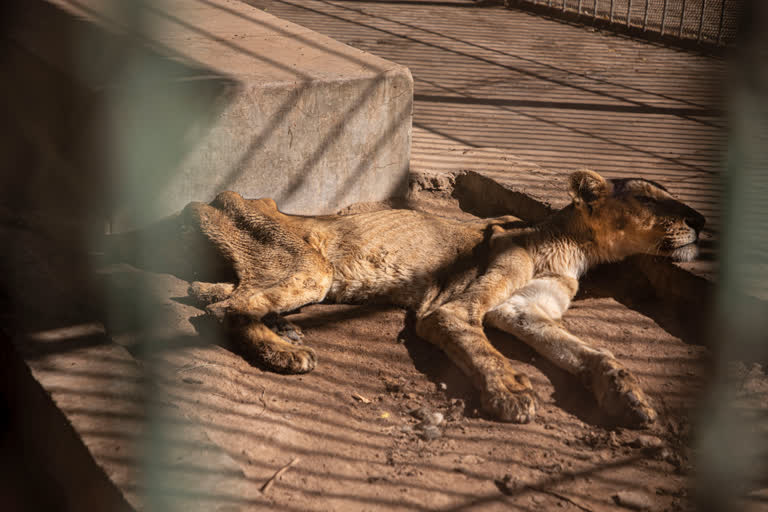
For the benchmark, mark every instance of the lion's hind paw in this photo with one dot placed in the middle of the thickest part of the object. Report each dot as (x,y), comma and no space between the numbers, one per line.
(619,394)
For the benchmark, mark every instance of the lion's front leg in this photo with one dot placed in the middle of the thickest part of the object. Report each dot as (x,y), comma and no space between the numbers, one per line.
(457,328)
(506,394)
(533,314)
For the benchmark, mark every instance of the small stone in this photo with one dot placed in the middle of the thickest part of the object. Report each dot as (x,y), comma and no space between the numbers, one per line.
(670,457)
(470,459)
(633,500)
(435,418)
(431,432)
(421,413)
(393,386)
(646,442)
(442,386)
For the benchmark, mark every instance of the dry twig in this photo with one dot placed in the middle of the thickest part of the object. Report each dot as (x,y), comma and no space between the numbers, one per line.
(361,398)
(278,473)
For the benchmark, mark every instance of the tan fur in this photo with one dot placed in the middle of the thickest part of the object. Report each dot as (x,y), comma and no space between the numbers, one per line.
(454,275)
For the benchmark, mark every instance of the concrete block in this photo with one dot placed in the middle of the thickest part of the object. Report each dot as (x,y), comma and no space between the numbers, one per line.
(197,97)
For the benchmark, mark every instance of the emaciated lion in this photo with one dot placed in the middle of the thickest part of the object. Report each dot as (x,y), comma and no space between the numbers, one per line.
(455,276)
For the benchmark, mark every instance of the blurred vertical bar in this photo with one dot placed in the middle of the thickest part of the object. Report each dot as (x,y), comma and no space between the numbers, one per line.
(663,16)
(732,438)
(629,12)
(578,8)
(152,105)
(594,10)
(563,9)
(610,17)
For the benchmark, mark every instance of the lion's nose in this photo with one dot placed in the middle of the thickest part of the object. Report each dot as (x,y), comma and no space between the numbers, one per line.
(695,220)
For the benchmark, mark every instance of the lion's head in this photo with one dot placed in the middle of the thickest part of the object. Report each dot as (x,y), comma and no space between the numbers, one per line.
(635,216)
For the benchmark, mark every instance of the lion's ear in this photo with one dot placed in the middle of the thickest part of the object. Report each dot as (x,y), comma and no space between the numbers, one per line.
(587,186)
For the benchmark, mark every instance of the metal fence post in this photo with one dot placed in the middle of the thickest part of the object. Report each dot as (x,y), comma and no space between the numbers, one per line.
(716,32)
(682,20)
(701,19)
(645,16)
(720,26)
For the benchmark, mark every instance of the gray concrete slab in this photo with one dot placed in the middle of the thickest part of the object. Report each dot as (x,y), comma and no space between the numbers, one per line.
(186,98)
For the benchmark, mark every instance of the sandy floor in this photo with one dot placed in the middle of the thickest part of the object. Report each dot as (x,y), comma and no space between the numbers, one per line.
(352,432)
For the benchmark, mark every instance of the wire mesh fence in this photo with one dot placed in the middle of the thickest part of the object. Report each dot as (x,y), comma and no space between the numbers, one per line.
(703,21)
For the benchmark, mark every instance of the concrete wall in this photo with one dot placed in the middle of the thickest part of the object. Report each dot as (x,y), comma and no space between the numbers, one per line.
(175,101)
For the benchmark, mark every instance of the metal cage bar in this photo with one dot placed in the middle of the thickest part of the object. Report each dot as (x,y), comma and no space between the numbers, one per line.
(701,19)
(682,21)
(658,16)
(720,24)
(645,15)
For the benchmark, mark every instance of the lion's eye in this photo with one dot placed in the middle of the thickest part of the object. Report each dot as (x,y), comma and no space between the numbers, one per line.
(644,199)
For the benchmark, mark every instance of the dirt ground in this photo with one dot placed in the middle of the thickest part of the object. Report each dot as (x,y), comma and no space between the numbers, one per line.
(387,422)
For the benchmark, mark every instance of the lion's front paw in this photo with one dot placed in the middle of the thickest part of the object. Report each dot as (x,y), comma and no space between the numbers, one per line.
(287,358)
(510,397)
(619,394)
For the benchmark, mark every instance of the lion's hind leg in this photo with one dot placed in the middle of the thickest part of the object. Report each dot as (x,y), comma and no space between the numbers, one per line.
(533,313)
(277,272)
